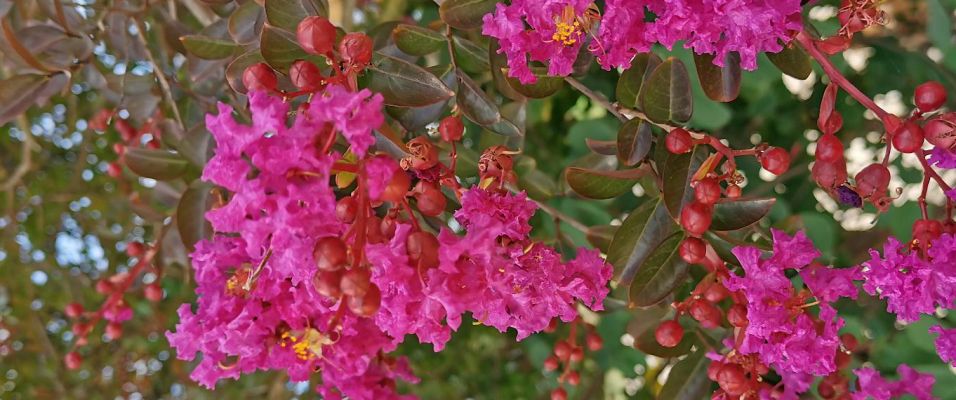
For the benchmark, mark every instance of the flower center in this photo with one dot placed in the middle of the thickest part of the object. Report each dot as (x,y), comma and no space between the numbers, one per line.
(306,346)
(567,32)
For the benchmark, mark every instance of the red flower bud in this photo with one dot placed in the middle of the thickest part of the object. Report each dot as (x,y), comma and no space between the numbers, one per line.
(669,333)
(356,49)
(259,77)
(929,96)
(451,129)
(678,141)
(909,138)
(775,159)
(306,76)
(872,181)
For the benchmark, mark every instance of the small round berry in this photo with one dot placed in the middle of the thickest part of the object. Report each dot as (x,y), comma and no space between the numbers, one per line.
(346,209)
(330,253)
(706,313)
(260,77)
(669,333)
(849,341)
(73,310)
(114,170)
(577,354)
(826,390)
(872,181)
(775,159)
(562,350)
(316,35)
(692,250)
(829,148)
(941,131)
(732,379)
(573,378)
(135,249)
(429,199)
(678,141)
(73,360)
(356,48)
(397,188)
(153,292)
(559,394)
(451,129)
(114,330)
(829,174)
(81,329)
(119,149)
(104,286)
(929,96)
(707,191)
(594,341)
(422,248)
(306,76)
(716,293)
(368,304)
(328,283)
(737,315)
(696,218)
(551,363)
(733,191)
(909,138)
(713,368)
(356,282)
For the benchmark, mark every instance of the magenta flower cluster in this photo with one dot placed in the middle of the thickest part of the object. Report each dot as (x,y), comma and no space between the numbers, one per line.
(257,308)
(553,31)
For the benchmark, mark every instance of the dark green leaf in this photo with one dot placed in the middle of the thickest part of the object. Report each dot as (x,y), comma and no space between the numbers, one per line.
(470,57)
(405,84)
(600,236)
(208,48)
(480,109)
(602,147)
(246,22)
(640,233)
(719,83)
(666,95)
(538,184)
(631,81)
(688,378)
(20,92)
(279,48)
(733,214)
(676,172)
(191,211)
(659,274)
(156,164)
(793,61)
(596,184)
(465,14)
(414,119)
(634,141)
(287,14)
(544,86)
(416,40)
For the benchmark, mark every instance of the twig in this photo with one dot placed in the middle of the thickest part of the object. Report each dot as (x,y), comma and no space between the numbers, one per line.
(562,217)
(26,158)
(595,97)
(163,83)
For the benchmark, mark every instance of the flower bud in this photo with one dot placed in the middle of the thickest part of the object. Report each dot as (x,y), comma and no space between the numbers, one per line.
(72,360)
(356,49)
(451,129)
(330,253)
(259,77)
(306,76)
(872,181)
(669,333)
(367,304)
(678,141)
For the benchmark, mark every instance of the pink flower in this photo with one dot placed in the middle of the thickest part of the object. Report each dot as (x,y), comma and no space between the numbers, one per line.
(505,214)
(555,35)
(623,34)
(942,158)
(910,284)
(829,284)
(912,382)
(945,343)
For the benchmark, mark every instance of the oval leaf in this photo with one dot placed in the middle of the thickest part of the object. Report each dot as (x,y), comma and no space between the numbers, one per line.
(544,86)
(602,147)
(404,84)
(666,95)
(733,214)
(416,40)
(208,48)
(191,211)
(279,48)
(640,233)
(156,164)
(676,171)
(287,14)
(793,61)
(480,109)
(688,378)
(634,141)
(246,22)
(597,184)
(470,57)
(631,81)
(20,92)
(465,14)
(601,236)
(659,274)
(719,83)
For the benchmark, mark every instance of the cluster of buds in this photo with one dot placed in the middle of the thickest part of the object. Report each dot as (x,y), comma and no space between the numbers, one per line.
(855,16)
(115,309)
(129,136)
(317,36)
(568,354)
(697,216)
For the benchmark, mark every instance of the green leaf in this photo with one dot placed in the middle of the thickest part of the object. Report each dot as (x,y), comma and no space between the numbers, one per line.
(634,141)
(676,172)
(208,48)
(246,22)
(416,40)
(631,81)
(602,147)
(600,236)
(719,83)
(470,57)
(279,48)
(480,109)
(414,119)
(666,95)
(544,86)
(595,184)
(793,61)
(465,14)
(287,14)
(191,211)
(405,84)
(538,184)
(161,165)
(688,378)
(659,274)
(640,233)
(20,92)
(733,214)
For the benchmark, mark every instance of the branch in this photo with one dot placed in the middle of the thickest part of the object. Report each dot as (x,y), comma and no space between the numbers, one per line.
(26,158)
(163,83)
(580,226)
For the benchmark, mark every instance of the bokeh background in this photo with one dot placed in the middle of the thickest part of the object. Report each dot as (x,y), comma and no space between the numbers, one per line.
(65,222)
